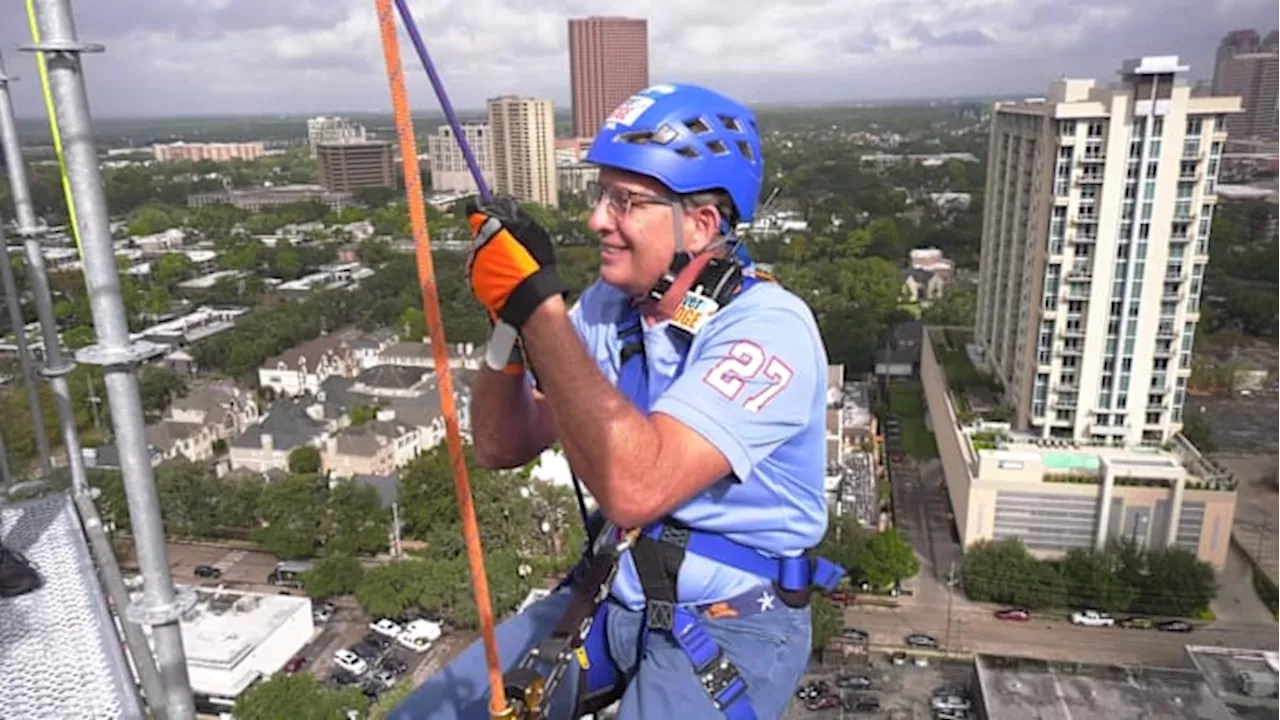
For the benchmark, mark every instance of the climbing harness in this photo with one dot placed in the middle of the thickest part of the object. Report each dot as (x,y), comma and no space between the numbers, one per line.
(658,552)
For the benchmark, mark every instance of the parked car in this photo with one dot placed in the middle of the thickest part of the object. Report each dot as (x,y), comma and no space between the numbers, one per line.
(208,572)
(822,702)
(1092,618)
(843,597)
(374,640)
(860,682)
(341,678)
(386,627)
(394,664)
(386,678)
(1174,626)
(921,640)
(1137,623)
(813,690)
(862,704)
(950,702)
(295,664)
(1015,614)
(350,661)
(322,612)
(852,633)
(366,651)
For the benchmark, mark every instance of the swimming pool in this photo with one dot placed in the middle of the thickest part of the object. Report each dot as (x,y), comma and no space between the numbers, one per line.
(1069,461)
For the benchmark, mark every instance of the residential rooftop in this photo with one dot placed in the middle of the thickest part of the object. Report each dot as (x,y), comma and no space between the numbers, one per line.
(1026,688)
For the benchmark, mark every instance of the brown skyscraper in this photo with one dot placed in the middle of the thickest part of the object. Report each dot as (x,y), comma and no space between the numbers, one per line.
(1247,66)
(608,62)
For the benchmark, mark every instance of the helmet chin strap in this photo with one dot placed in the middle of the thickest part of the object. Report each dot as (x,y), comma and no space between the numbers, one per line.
(667,294)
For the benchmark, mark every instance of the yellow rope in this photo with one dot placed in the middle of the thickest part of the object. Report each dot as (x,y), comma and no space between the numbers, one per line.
(53,128)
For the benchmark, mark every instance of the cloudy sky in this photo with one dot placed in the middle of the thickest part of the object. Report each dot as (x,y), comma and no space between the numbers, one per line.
(185,57)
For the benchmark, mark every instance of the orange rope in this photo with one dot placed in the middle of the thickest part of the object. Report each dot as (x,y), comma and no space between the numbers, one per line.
(431,308)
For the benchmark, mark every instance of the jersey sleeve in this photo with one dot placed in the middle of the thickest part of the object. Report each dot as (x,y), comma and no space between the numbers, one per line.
(749,385)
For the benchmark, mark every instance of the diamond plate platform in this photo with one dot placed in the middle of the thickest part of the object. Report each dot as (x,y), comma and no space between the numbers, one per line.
(59,651)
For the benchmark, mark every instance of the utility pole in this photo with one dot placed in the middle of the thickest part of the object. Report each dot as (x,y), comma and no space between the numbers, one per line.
(951,593)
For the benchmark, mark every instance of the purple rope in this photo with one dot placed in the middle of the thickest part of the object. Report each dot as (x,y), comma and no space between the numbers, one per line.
(445,105)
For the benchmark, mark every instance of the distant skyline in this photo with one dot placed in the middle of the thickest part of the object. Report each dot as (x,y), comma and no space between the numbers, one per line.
(256,57)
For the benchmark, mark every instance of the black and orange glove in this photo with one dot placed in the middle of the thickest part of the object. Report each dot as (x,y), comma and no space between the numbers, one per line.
(512,263)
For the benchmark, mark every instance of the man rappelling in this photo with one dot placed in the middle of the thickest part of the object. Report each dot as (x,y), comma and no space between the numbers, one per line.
(687,390)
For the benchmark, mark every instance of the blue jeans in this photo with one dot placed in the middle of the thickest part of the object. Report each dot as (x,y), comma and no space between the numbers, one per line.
(770,650)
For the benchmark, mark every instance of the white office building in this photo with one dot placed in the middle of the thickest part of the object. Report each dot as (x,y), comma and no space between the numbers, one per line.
(333,131)
(449,171)
(1099,203)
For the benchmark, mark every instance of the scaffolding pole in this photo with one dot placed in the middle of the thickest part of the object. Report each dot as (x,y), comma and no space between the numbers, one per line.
(161,605)
(15,313)
(55,370)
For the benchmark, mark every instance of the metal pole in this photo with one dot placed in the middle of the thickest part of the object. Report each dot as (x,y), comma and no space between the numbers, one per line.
(5,476)
(55,366)
(55,370)
(11,292)
(134,638)
(161,606)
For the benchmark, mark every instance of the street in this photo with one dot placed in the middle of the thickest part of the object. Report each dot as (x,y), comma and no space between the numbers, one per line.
(922,514)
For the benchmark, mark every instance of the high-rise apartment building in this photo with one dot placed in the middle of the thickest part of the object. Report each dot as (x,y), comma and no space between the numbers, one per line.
(608,63)
(349,165)
(1249,67)
(524,149)
(217,152)
(333,131)
(1099,202)
(449,171)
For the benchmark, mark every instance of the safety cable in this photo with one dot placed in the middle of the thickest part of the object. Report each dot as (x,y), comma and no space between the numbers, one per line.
(53,128)
(498,707)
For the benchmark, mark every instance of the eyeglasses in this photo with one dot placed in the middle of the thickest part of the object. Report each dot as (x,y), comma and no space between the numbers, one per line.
(621,200)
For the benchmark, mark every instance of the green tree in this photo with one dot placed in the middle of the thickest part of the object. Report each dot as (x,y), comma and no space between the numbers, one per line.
(297,695)
(1176,583)
(159,386)
(412,325)
(827,622)
(358,524)
(292,511)
(304,459)
(171,268)
(393,588)
(957,306)
(998,571)
(844,542)
(333,575)
(886,558)
(361,414)
(1094,579)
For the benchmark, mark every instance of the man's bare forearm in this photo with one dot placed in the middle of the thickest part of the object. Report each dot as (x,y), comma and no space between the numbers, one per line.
(507,427)
(609,443)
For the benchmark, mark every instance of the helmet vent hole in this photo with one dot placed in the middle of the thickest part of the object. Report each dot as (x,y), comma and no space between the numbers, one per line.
(717,147)
(745,148)
(697,126)
(639,137)
(730,123)
(687,151)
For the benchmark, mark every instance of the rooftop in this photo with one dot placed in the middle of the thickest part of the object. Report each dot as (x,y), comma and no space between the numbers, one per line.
(1024,688)
(1220,668)
(225,626)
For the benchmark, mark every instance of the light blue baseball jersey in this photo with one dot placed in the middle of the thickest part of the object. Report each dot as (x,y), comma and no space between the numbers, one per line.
(753,384)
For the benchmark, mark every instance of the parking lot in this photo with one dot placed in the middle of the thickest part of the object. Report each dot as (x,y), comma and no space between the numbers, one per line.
(903,691)
(349,629)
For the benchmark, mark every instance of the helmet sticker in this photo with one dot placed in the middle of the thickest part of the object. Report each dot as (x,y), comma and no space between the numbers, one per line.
(629,111)
(659,90)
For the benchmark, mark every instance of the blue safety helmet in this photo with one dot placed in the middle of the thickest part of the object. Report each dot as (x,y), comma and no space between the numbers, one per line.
(689,138)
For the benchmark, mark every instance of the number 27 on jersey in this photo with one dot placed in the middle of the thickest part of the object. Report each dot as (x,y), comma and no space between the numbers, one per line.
(744,363)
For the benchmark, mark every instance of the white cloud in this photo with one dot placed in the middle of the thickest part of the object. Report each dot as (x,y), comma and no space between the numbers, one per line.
(166,56)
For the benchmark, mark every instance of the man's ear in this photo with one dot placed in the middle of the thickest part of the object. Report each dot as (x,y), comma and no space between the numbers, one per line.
(706,226)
